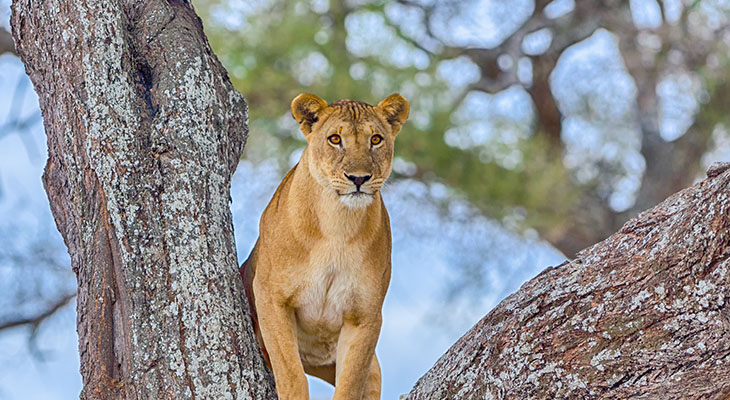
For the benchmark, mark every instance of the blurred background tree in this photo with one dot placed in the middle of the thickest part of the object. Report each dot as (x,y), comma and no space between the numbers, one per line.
(557,117)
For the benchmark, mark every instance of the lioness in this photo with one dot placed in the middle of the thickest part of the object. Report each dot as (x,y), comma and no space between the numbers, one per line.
(317,276)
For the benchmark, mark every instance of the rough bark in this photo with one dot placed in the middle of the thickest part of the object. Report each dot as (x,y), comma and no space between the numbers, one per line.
(144,132)
(643,314)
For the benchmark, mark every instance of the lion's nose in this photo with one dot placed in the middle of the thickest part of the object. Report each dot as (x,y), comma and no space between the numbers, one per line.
(358,180)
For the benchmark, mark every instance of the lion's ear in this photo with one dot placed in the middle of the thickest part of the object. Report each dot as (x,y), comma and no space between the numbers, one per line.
(396,110)
(305,109)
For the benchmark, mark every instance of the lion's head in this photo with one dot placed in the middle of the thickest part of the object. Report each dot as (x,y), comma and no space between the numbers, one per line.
(350,143)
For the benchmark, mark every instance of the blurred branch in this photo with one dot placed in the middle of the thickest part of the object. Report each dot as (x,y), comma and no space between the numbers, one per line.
(402,35)
(13,120)
(36,320)
(694,4)
(19,125)
(567,30)
(18,96)
(6,42)
(670,165)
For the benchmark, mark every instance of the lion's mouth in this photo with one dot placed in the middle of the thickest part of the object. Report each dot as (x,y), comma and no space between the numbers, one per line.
(356,199)
(356,193)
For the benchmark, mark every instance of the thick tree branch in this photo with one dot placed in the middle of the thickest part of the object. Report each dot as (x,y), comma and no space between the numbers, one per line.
(644,314)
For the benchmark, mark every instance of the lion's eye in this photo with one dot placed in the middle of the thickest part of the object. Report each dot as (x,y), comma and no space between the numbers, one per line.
(335,139)
(376,140)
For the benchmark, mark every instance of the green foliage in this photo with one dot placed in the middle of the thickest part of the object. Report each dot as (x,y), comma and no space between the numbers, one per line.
(277,49)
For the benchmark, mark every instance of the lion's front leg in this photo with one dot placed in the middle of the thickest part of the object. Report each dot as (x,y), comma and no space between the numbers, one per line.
(278,328)
(372,384)
(355,354)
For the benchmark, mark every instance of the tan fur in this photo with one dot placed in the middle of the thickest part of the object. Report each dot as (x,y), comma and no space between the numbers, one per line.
(318,273)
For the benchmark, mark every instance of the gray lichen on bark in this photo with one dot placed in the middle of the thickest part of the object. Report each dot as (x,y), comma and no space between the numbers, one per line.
(145,131)
(642,314)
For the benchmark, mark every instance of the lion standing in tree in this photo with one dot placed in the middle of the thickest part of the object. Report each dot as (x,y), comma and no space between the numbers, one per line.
(317,276)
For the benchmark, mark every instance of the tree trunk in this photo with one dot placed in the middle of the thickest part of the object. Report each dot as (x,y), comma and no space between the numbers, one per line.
(643,314)
(144,132)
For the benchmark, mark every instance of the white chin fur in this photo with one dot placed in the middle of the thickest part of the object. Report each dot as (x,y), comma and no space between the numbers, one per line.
(356,200)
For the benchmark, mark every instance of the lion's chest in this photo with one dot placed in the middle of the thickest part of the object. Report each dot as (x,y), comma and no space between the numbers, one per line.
(329,290)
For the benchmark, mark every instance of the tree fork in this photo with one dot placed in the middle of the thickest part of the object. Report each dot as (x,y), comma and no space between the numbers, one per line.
(144,133)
